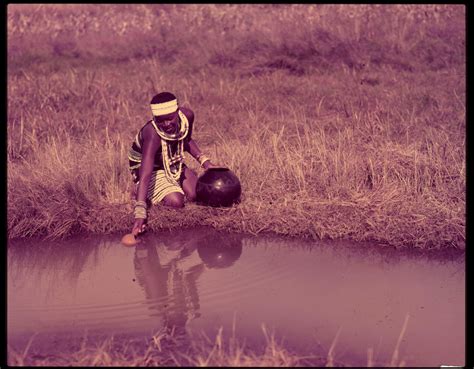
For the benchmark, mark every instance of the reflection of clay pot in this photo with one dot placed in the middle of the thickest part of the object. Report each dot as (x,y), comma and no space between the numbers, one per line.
(220,251)
(218,187)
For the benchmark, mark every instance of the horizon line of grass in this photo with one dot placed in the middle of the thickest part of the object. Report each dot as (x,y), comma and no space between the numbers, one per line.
(404,36)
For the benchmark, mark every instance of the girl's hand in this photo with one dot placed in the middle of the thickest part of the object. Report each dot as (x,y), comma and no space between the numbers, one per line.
(208,165)
(139,226)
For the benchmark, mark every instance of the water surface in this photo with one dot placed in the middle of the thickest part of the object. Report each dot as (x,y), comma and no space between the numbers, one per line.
(199,280)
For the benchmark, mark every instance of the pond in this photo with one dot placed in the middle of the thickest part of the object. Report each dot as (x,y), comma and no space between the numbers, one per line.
(309,294)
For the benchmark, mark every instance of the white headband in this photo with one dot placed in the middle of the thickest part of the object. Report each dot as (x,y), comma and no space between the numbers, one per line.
(164,108)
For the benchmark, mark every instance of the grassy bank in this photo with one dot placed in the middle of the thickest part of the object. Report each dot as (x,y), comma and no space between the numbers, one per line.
(341,121)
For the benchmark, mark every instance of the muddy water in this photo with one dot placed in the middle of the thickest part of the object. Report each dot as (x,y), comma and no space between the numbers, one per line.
(305,293)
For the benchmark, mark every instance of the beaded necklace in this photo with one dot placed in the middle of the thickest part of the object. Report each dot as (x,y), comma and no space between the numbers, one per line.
(173,162)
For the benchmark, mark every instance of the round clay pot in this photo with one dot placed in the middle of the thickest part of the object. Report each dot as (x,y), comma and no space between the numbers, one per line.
(218,187)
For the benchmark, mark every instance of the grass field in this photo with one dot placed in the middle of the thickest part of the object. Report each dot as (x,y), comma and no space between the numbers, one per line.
(341,121)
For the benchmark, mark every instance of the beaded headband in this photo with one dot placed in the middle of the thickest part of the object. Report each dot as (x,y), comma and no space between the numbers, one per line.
(164,108)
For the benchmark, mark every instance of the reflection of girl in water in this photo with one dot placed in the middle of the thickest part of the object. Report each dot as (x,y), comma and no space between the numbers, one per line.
(171,291)
(168,272)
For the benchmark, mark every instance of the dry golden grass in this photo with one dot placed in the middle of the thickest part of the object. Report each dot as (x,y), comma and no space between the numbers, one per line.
(166,348)
(342,121)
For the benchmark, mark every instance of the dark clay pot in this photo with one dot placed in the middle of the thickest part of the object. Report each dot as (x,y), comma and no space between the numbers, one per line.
(218,187)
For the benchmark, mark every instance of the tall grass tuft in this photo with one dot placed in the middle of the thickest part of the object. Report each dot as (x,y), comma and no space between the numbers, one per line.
(167,348)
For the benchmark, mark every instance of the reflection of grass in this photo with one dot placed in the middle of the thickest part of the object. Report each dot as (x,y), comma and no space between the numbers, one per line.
(164,349)
(350,125)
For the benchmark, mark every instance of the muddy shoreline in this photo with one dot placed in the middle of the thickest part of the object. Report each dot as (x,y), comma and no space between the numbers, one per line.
(448,253)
